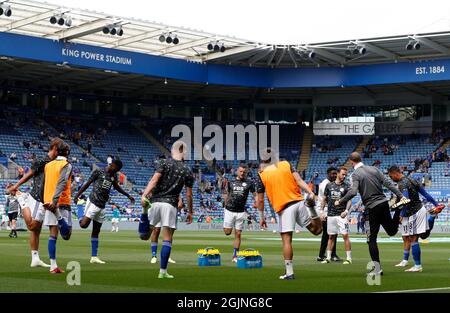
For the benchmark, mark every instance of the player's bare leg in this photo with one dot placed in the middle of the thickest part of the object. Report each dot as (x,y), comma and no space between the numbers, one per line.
(330,247)
(34,245)
(34,226)
(288,255)
(348,249)
(85,222)
(315,227)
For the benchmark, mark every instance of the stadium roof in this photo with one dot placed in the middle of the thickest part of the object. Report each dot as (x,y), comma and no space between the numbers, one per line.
(32,18)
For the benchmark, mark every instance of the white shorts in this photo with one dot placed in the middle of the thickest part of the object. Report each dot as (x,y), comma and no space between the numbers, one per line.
(415,224)
(234,219)
(37,209)
(115,220)
(163,214)
(51,220)
(294,214)
(94,212)
(337,225)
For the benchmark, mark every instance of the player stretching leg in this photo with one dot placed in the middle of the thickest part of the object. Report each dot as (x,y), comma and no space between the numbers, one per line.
(369,182)
(164,189)
(414,215)
(57,198)
(283,188)
(33,211)
(103,180)
(237,191)
(337,215)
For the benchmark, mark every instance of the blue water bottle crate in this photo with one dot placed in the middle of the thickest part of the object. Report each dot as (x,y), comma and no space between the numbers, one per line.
(249,258)
(208,257)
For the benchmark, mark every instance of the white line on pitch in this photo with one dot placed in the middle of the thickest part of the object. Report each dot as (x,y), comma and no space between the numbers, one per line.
(415,290)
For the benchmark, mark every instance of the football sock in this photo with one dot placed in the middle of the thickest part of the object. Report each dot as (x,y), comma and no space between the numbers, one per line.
(289,267)
(80,213)
(154,249)
(165,253)
(431,219)
(52,248)
(349,255)
(415,247)
(34,255)
(53,264)
(64,228)
(94,246)
(405,255)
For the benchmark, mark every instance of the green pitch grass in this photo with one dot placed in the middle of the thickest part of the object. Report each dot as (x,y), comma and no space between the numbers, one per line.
(128,267)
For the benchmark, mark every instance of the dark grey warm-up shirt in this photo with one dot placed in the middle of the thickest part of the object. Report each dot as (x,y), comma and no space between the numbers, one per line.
(369,182)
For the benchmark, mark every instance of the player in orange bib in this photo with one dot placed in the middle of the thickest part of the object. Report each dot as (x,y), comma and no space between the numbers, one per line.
(283,186)
(57,198)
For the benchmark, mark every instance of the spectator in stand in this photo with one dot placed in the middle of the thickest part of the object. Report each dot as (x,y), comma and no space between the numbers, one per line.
(89,145)
(13,156)
(109,159)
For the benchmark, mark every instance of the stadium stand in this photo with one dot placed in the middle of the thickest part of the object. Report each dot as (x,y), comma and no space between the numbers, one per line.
(94,141)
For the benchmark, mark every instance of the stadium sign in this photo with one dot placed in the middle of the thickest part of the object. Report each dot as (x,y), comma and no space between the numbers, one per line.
(403,128)
(82,55)
(95,56)
(344,129)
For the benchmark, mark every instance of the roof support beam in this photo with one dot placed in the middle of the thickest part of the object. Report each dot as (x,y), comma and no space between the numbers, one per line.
(377,50)
(227,53)
(133,39)
(83,30)
(280,57)
(292,55)
(433,45)
(243,55)
(187,45)
(260,55)
(328,55)
(30,20)
(274,52)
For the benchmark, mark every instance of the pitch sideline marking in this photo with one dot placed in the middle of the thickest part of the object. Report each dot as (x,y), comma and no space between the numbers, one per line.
(355,239)
(414,290)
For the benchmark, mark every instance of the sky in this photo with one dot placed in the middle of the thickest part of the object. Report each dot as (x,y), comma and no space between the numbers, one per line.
(283,21)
